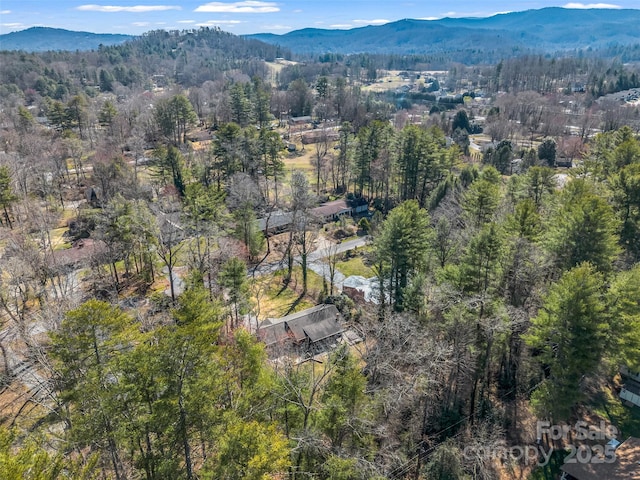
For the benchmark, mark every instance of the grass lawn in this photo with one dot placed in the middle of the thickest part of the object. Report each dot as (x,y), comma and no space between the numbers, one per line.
(314,283)
(276,301)
(355,266)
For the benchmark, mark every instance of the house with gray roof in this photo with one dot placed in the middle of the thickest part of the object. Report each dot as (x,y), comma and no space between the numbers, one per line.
(308,332)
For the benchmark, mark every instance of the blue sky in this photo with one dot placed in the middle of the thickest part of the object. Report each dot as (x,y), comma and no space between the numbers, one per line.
(249,16)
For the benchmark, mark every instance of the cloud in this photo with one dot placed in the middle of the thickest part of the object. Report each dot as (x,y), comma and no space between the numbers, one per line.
(298,10)
(377,21)
(247,6)
(428,18)
(186,21)
(341,25)
(140,24)
(592,5)
(5,12)
(12,25)
(131,9)
(213,23)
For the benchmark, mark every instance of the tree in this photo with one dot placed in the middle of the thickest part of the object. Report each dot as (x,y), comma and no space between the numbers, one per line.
(240,105)
(227,150)
(25,119)
(300,98)
(444,242)
(401,247)
(233,278)
(301,230)
(107,115)
(540,182)
(168,162)
(173,117)
(570,334)
(583,228)
(461,121)
(248,450)
(623,299)
(273,165)
(106,81)
(75,113)
(500,158)
(547,151)
(247,230)
(343,397)
(481,200)
(626,198)
(31,460)
(7,197)
(445,463)
(84,349)
(481,261)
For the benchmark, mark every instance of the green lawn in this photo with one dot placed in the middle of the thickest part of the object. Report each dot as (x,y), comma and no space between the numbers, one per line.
(276,301)
(355,266)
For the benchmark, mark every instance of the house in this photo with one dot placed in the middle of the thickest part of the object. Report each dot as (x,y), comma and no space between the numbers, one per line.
(626,465)
(279,220)
(358,205)
(332,210)
(630,392)
(300,120)
(309,332)
(564,162)
(276,222)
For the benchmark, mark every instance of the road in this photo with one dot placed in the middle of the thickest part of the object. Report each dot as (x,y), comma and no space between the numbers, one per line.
(314,257)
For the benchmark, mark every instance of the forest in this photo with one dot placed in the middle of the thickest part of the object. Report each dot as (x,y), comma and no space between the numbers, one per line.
(164,200)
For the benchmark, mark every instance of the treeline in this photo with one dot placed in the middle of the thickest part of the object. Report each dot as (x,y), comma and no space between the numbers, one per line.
(188,58)
(543,74)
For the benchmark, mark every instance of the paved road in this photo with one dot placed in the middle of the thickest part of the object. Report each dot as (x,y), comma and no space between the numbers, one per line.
(314,257)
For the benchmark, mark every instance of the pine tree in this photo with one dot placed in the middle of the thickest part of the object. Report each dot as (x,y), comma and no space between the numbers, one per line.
(570,333)
(402,247)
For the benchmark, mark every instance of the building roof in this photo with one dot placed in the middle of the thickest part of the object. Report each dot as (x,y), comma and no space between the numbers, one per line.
(314,324)
(272,334)
(321,330)
(625,467)
(276,220)
(331,208)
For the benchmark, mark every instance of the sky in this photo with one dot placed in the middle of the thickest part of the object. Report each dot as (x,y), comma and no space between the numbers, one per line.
(134,17)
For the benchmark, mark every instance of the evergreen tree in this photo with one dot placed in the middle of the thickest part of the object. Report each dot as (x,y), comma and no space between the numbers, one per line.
(570,334)
(547,151)
(583,228)
(7,197)
(401,247)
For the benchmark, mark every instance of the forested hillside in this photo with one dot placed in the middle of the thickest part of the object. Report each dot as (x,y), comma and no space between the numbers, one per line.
(165,202)
(42,39)
(560,31)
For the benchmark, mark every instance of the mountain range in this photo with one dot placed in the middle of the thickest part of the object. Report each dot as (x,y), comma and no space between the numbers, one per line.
(544,30)
(469,40)
(41,39)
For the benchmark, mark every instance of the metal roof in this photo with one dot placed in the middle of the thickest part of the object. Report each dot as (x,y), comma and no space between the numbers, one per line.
(625,467)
